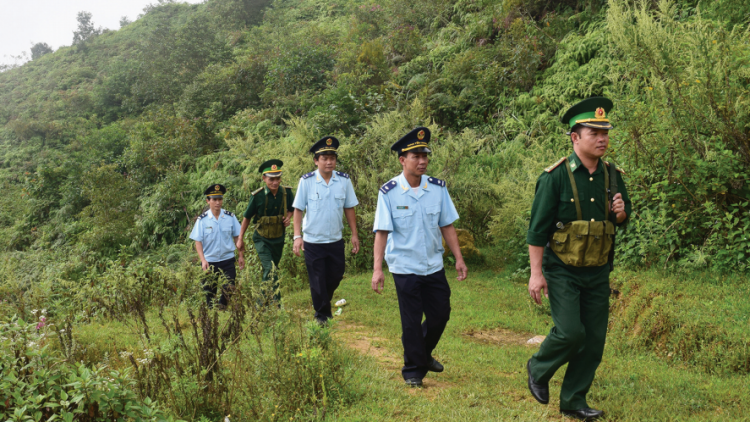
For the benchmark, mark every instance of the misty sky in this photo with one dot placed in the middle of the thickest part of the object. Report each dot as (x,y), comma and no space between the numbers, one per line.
(23,22)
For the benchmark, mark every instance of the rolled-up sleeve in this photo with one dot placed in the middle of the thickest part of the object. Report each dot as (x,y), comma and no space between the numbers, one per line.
(383,218)
(448,213)
(543,211)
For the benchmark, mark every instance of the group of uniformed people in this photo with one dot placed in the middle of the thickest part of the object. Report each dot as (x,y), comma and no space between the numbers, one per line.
(578,203)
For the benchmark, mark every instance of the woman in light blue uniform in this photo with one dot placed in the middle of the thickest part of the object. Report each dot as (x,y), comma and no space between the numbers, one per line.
(215,233)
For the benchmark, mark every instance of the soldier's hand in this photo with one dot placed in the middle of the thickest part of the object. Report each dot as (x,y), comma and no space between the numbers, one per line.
(240,244)
(462,271)
(378,281)
(537,283)
(618,205)
(204,265)
(355,244)
(287,221)
(241,261)
(298,246)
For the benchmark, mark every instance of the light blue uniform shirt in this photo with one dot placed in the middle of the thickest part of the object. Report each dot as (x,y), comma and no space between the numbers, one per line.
(324,204)
(217,236)
(413,220)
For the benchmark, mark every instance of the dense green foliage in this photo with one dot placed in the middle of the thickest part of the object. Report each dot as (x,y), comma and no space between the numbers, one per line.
(108,143)
(106,146)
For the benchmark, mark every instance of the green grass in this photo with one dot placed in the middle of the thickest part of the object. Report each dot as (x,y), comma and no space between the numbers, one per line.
(701,319)
(486,380)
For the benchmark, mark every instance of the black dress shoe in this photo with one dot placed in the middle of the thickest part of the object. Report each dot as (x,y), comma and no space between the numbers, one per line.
(413,382)
(435,366)
(585,414)
(538,390)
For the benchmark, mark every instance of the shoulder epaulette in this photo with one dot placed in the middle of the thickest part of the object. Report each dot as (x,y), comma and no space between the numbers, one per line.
(616,168)
(288,187)
(231,214)
(203,215)
(554,166)
(388,186)
(342,174)
(308,175)
(436,181)
(256,191)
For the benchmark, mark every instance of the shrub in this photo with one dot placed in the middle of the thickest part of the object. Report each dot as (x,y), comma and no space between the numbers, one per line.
(37,384)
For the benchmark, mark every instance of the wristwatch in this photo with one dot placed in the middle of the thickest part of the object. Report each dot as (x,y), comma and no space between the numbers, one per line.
(296,237)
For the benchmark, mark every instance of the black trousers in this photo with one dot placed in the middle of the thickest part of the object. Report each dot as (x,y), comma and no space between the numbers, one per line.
(428,295)
(325,268)
(228,271)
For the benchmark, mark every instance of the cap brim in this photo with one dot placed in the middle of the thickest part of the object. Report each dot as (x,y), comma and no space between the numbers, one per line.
(420,149)
(216,196)
(595,125)
(277,174)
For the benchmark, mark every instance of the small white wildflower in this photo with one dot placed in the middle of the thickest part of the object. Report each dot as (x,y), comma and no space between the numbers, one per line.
(63,330)
(35,311)
(44,312)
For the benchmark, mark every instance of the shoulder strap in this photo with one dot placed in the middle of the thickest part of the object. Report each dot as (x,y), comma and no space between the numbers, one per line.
(612,188)
(282,211)
(265,207)
(606,190)
(579,215)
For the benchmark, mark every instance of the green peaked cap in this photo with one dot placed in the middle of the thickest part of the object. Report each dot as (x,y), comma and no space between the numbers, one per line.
(271,168)
(591,112)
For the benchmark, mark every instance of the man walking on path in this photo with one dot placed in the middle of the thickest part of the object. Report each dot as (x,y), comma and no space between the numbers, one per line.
(215,233)
(325,195)
(414,214)
(570,237)
(270,209)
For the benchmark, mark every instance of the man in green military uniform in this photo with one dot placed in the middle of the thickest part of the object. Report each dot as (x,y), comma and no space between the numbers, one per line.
(270,208)
(570,235)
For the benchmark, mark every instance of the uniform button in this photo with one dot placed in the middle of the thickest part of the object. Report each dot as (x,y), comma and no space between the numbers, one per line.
(592,199)
(591,179)
(572,200)
(592,220)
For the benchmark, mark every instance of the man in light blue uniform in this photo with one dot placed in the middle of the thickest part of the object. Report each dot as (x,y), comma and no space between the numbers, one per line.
(325,196)
(215,233)
(414,214)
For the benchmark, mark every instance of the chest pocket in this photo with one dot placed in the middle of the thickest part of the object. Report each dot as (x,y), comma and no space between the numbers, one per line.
(313,202)
(433,215)
(403,219)
(340,197)
(209,231)
(226,233)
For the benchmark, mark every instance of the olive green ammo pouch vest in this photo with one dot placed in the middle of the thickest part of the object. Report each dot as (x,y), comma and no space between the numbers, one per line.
(583,243)
(272,227)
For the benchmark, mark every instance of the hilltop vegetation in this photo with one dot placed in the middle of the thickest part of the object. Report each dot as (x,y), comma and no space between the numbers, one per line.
(106,146)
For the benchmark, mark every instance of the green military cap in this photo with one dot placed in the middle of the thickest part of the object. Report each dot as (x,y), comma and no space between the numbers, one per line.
(215,190)
(591,112)
(271,168)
